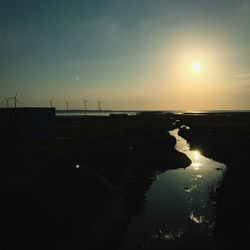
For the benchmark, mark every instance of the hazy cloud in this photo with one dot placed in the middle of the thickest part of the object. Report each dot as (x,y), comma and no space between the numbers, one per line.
(243,76)
(243,81)
(105,24)
(146,24)
(246,86)
(244,10)
(109,24)
(242,87)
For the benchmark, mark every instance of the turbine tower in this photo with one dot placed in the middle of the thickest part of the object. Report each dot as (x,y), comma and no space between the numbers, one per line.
(99,105)
(67,104)
(15,99)
(7,100)
(51,103)
(85,104)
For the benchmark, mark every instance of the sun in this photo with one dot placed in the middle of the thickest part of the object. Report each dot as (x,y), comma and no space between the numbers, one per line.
(196,67)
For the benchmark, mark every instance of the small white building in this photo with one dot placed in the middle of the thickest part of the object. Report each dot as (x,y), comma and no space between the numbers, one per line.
(27,123)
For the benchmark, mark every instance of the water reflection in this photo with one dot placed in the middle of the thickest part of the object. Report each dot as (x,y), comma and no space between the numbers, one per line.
(166,234)
(178,211)
(198,219)
(196,155)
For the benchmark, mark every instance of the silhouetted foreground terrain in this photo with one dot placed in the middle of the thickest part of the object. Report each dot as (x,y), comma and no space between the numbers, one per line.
(79,190)
(226,138)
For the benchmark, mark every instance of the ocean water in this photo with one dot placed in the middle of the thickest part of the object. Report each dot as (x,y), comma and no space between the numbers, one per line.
(135,112)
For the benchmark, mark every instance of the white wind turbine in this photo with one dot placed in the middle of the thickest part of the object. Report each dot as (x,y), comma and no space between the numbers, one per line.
(67,104)
(51,103)
(15,99)
(7,100)
(85,104)
(99,105)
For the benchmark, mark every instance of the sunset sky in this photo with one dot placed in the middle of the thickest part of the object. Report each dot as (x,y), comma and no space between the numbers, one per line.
(131,54)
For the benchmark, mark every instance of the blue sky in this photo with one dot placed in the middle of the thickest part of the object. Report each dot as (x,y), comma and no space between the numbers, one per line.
(130,54)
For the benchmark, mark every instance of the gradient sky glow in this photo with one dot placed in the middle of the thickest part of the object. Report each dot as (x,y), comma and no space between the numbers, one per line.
(132,54)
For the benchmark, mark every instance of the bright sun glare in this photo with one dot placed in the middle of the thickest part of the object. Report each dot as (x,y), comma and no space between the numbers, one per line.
(196,67)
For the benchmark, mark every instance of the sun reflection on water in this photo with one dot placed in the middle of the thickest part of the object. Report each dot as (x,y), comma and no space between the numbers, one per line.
(196,165)
(178,205)
(197,219)
(197,155)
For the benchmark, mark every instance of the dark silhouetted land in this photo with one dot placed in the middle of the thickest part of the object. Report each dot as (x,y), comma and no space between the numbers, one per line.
(226,138)
(80,189)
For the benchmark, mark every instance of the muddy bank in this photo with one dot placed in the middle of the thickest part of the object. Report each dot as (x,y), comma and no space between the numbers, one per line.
(79,190)
(226,138)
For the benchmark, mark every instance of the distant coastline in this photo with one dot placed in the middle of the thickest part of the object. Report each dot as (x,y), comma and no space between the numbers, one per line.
(77,112)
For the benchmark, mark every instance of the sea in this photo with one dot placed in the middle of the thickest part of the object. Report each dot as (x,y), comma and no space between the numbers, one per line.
(136,112)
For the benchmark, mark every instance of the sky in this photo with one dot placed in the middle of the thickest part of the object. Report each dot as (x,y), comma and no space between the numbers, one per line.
(131,54)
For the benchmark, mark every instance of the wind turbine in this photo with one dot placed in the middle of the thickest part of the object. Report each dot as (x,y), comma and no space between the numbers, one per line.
(99,105)
(67,104)
(15,99)
(51,103)
(85,104)
(7,100)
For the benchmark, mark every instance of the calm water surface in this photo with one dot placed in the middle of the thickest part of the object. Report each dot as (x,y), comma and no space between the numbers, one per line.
(92,113)
(179,212)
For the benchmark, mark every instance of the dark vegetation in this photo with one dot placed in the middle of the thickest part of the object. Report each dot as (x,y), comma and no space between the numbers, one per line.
(46,202)
(226,138)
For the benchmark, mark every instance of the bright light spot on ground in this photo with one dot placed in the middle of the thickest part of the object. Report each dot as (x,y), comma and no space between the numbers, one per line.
(77,166)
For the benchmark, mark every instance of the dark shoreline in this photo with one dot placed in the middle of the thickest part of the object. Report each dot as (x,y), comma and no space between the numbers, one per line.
(48,203)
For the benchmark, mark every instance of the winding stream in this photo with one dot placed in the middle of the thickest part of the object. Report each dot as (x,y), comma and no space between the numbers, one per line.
(179,212)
